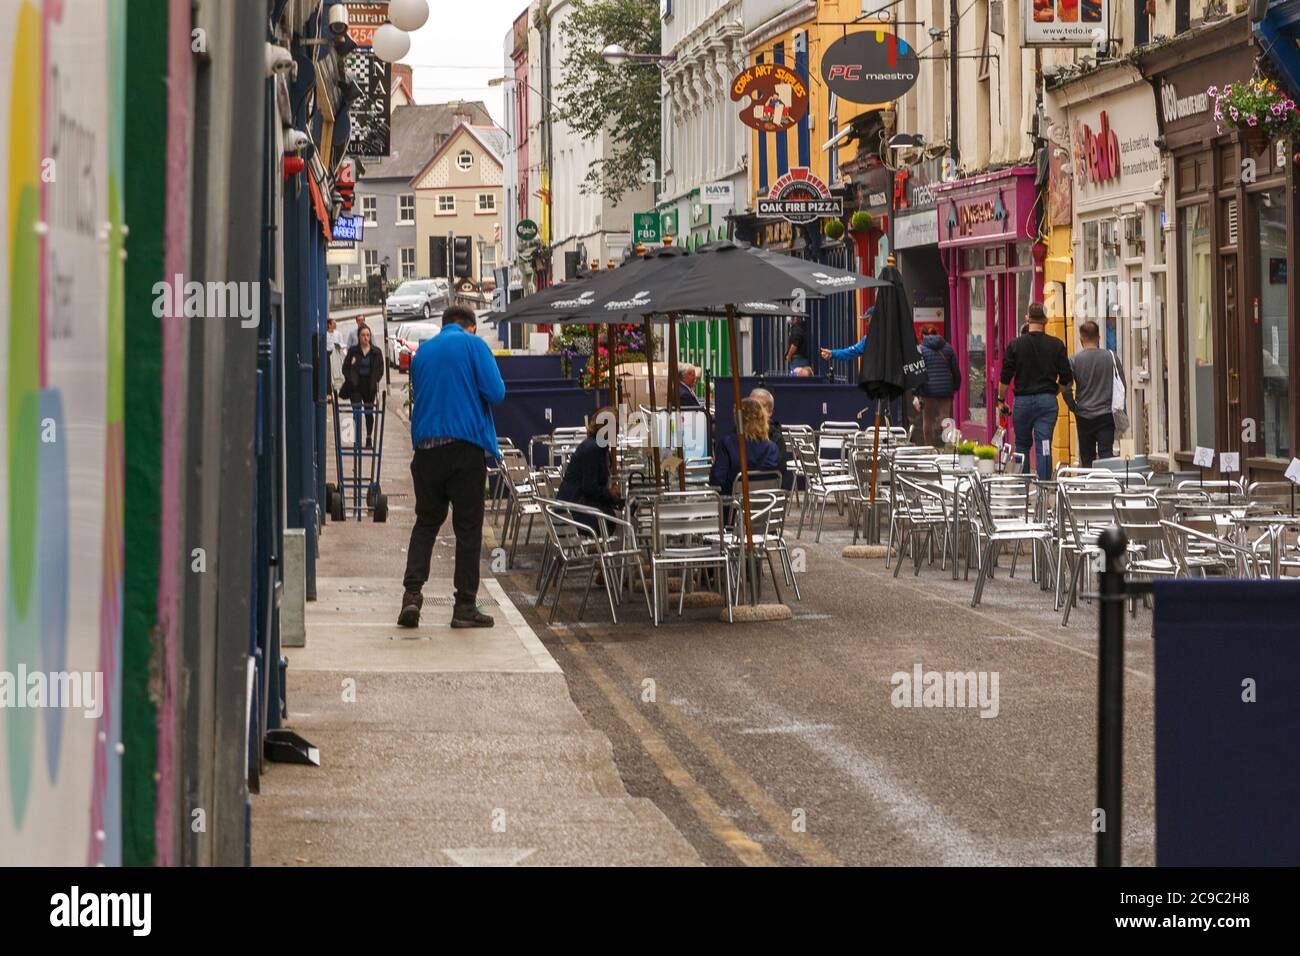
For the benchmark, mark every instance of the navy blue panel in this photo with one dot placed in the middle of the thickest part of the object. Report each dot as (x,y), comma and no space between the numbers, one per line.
(762,151)
(523,413)
(1227,773)
(798,401)
(530,366)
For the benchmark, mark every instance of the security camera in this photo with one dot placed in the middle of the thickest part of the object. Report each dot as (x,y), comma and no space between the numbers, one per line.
(280,60)
(295,140)
(338,19)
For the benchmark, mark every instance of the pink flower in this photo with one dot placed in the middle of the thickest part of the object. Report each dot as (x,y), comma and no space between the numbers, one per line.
(1252,121)
(1213,91)
(1233,111)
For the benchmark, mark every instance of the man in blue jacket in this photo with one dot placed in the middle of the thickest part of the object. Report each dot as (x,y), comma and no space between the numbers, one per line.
(454,384)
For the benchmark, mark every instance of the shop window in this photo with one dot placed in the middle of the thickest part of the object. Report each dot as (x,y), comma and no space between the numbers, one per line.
(1275,427)
(1135,243)
(1197,295)
(972,260)
(1159,254)
(1091,258)
(1109,244)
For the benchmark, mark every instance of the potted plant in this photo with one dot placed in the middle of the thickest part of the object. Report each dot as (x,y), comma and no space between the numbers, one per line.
(834,230)
(986,459)
(966,455)
(1259,108)
(860,221)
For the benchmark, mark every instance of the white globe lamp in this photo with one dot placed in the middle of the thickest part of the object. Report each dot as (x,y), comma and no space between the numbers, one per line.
(408,15)
(390,43)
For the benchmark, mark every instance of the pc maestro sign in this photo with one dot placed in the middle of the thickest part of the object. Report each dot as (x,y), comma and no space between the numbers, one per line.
(799,197)
(870,67)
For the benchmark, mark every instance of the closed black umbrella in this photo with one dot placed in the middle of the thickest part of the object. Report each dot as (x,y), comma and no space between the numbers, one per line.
(891,360)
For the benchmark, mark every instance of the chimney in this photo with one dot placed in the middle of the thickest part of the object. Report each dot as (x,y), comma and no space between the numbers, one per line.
(460,114)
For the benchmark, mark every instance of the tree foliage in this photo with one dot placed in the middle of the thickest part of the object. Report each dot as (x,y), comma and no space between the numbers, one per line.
(621,102)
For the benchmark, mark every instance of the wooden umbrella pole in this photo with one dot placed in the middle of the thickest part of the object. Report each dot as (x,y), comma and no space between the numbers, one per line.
(654,405)
(744,466)
(675,399)
(613,399)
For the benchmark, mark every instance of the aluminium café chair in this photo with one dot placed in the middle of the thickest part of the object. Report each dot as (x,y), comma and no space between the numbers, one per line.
(821,487)
(523,504)
(496,482)
(992,535)
(761,505)
(609,546)
(1138,515)
(681,522)
(922,509)
(915,468)
(1086,509)
(1232,559)
(570,545)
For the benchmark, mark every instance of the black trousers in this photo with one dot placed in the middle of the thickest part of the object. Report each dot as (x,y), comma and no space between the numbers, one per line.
(450,475)
(1096,438)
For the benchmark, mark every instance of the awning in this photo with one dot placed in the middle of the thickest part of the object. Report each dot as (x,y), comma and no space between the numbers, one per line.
(1278,36)
(319,205)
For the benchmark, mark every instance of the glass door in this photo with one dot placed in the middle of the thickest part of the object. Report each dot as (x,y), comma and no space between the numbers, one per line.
(977,338)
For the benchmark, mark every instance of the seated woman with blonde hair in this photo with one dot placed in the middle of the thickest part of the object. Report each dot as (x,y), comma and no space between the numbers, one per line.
(761,453)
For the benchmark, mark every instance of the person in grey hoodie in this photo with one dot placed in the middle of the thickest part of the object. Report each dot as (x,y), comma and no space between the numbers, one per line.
(942,379)
(1094,377)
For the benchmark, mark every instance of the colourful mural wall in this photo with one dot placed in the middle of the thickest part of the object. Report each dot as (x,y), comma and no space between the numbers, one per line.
(61,482)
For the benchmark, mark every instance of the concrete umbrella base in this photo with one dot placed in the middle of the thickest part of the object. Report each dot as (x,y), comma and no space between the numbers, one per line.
(754,613)
(865,551)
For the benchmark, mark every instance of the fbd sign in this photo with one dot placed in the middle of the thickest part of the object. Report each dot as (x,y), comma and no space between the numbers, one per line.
(873,66)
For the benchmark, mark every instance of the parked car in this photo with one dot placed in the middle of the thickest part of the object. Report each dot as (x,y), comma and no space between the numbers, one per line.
(407,339)
(418,299)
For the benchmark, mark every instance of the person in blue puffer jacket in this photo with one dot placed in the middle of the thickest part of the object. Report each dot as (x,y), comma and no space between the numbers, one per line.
(943,378)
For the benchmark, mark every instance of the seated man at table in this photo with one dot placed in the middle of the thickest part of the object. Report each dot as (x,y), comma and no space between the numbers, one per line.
(586,479)
(689,375)
(761,453)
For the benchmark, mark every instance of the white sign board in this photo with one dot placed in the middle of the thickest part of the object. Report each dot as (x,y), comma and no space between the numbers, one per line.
(717,194)
(918,229)
(1229,461)
(1065,22)
(1293,470)
(1203,457)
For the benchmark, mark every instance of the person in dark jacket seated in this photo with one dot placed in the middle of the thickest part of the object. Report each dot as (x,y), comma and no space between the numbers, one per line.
(761,453)
(586,479)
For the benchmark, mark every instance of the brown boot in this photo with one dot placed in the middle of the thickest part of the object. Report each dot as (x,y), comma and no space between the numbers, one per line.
(412,601)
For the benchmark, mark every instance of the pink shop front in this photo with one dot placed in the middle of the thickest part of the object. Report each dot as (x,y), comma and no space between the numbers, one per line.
(987,229)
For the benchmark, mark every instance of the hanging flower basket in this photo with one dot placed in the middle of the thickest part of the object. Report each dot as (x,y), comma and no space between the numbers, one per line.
(1259,108)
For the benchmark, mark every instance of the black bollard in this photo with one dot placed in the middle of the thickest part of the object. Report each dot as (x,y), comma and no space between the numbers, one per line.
(1110,699)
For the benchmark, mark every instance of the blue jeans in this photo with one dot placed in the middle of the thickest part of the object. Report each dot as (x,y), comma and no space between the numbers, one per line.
(1034,419)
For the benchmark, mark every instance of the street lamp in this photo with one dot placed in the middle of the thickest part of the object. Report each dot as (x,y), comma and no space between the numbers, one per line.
(615,55)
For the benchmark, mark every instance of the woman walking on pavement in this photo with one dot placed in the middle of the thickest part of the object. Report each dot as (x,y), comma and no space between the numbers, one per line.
(363,370)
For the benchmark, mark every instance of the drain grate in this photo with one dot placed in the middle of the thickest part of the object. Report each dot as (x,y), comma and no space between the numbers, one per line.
(447,600)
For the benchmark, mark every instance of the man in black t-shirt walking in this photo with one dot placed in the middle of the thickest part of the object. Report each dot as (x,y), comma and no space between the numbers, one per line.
(796,348)
(1039,366)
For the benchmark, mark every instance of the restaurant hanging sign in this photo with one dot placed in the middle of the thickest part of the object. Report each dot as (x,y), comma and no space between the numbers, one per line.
(873,66)
(369,112)
(772,97)
(798,197)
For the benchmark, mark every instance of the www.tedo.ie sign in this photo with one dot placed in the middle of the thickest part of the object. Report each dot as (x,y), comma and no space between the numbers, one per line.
(799,197)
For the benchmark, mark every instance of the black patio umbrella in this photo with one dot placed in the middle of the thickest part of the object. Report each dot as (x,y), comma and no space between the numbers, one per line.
(735,279)
(891,360)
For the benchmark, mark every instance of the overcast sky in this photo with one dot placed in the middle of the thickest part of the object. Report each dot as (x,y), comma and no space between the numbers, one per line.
(460,48)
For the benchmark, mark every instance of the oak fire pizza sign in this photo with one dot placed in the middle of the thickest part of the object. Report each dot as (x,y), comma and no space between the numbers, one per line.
(799,197)
(772,97)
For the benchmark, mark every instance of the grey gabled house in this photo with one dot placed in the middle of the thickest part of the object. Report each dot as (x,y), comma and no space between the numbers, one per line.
(384,195)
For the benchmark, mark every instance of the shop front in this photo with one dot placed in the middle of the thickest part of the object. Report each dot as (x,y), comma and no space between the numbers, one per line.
(916,243)
(1120,239)
(987,228)
(1233,242)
